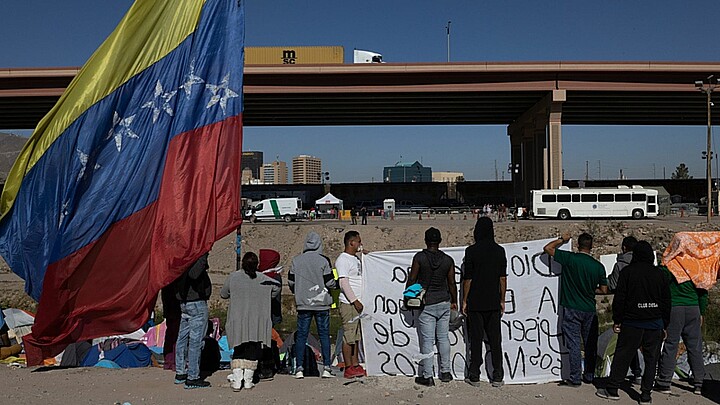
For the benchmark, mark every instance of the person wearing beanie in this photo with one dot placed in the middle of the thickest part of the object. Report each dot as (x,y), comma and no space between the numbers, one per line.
(435,272)
(269,266)
(484,286)
(641,314)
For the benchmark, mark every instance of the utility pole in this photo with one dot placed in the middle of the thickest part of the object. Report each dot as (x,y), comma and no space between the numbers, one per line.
(496,172)
(599,171)
(653,171)
(708,90)
(586,170)
(447,29)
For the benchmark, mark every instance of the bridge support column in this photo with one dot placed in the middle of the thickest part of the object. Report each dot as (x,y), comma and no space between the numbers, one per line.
(554,160)
(536,147)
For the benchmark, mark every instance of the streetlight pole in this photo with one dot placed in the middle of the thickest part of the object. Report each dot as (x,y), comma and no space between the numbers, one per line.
(447,27)
(708,89)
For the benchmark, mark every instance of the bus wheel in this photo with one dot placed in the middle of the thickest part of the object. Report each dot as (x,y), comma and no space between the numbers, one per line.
(287,218)
(637,214)
(564,214)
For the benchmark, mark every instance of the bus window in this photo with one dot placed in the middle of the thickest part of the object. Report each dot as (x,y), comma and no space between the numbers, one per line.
(638,197)
(606,198)
(622,197)
(589,198)
(563,198)
(548,198)
(651,199)
(576,198)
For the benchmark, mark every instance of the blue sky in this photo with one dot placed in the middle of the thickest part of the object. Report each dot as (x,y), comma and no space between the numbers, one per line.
(37,33)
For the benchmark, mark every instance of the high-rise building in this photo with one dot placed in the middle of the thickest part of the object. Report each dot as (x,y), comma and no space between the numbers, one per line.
(306,170)
(405,172)
(274,173)
(252,160)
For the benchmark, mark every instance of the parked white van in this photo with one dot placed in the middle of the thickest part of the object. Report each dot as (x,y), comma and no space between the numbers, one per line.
(286,209)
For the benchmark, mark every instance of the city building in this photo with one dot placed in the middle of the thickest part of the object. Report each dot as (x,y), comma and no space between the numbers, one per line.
(246,176)
(252,160)
(405,172)
(448,177)
(274,173)
(306,170)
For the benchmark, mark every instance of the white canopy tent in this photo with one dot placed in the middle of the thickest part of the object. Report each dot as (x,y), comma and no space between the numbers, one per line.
(329,201)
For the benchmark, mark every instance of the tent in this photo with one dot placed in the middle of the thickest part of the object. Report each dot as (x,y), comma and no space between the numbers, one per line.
(329,201)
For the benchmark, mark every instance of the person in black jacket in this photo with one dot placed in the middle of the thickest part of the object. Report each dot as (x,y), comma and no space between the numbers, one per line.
(192,289)
(484,286)
(641,314)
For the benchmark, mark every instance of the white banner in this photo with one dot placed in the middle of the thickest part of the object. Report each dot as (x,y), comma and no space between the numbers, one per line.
(531,344)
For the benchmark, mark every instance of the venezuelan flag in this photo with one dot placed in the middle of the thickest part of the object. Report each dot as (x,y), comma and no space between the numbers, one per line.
(133,175)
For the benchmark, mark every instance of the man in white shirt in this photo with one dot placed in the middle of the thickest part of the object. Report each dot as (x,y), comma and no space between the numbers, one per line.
(349,269)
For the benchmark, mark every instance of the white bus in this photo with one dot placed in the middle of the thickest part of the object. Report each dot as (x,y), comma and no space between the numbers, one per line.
(622,202)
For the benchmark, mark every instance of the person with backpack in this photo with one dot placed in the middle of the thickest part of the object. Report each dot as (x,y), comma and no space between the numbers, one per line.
(310,279)
(435,272)
(248,325)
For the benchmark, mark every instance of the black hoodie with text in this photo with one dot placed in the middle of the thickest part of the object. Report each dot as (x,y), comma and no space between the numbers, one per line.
(642,291)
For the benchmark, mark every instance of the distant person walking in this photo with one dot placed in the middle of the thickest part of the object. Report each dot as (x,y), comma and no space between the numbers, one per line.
(309,279)
(249,323)
(435,272)
(364,215)
(582,277)
(193,291)
(484,286)
(353,216)
(349,270)
(641,314)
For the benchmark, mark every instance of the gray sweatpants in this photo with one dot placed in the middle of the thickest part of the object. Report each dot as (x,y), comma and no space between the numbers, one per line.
(685,323)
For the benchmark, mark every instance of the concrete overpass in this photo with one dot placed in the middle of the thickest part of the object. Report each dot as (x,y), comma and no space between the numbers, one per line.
(532,99)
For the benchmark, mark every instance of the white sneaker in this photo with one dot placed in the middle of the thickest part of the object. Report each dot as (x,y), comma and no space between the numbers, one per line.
(327,373)
(299,375)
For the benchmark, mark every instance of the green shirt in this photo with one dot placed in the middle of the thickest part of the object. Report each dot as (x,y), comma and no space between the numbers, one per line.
(581,275)
(685,294)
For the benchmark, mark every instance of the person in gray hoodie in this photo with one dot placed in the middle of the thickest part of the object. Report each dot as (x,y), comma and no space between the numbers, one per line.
(310,279)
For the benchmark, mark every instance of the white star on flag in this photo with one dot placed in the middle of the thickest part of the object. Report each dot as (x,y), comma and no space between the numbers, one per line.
(63,213)
(161,102)
(83,157)
(191,79)
(217,89)
(121,127)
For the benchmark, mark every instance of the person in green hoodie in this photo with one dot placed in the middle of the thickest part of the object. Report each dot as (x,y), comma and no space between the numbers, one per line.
(686,318)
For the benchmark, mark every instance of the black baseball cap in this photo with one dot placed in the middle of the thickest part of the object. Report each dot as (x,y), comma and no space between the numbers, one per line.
(432,235)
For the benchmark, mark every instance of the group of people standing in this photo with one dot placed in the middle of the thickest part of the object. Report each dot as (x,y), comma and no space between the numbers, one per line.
(651,311)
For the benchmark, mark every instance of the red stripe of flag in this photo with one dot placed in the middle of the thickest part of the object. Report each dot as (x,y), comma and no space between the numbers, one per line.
(151,247)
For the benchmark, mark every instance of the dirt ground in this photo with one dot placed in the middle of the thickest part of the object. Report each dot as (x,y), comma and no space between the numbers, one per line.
(154,386)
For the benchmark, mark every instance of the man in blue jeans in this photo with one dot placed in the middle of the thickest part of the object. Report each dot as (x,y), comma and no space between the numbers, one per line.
(581,278)
(435,272)
(309,279)
(192,289)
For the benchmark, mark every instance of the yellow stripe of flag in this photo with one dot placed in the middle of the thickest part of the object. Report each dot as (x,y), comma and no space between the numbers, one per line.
(148,32)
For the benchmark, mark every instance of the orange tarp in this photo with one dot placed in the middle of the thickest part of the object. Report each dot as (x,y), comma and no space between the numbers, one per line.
(694,256)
